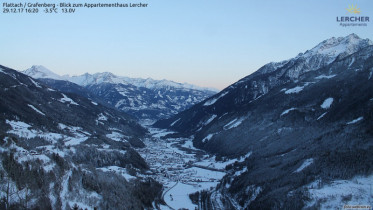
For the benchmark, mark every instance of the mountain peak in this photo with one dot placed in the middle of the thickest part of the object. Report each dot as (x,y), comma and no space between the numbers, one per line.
(322,54)
(39,68)
(334,46)
(105,74)
(353,35)
(39,71)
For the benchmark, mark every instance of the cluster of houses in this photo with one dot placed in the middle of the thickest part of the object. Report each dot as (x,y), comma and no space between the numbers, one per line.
(171,165)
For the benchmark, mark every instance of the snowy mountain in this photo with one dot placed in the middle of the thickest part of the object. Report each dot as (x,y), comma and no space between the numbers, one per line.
(304,125)
(319,56)
(40,72)
(143,98)
(107,77)
(268,77)
(60,151)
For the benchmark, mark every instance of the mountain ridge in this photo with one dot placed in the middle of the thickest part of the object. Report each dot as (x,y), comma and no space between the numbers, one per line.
(303,126)
(271,75)
(146,99)
(86,79)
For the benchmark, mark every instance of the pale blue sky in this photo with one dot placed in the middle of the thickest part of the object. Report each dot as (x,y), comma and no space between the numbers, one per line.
(209,43)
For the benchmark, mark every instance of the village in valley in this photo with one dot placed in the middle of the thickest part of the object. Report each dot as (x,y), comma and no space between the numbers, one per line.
(180,167)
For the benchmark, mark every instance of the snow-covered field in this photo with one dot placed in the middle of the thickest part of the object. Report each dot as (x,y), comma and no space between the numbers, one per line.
(178,197)
(118,170)
(357,191)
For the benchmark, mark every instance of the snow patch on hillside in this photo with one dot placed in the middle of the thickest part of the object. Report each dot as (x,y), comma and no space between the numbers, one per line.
(321,116)
(118,170)
(287,111)
(240,172)
(67,99)
(70,141)
(35,109)
(78,135)
(254,191)
(102,117)
(115,136)
(215,99)
(208,138)
(211,162)
(62,126)
(327,103)
(76,131)
(234,123)
(304,165)
(35,83)
(352,61)
(325,76)
(65,189)
(21,129)
(210,119)
(355,120)
(172,124)
(296,89)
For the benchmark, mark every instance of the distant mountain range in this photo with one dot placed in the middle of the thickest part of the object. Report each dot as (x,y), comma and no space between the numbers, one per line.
(142,98)
(303,120)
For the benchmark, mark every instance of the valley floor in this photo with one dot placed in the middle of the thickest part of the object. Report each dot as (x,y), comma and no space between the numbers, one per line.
(181,168)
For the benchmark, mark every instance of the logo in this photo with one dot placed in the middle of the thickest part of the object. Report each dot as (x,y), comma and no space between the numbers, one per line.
(353,17)
(353,9)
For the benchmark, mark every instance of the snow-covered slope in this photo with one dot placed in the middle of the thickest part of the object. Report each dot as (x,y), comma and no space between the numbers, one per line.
(58,150)
(305,119)
(143,98)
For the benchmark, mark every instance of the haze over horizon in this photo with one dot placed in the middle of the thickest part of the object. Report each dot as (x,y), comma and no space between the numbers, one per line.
(209,44)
